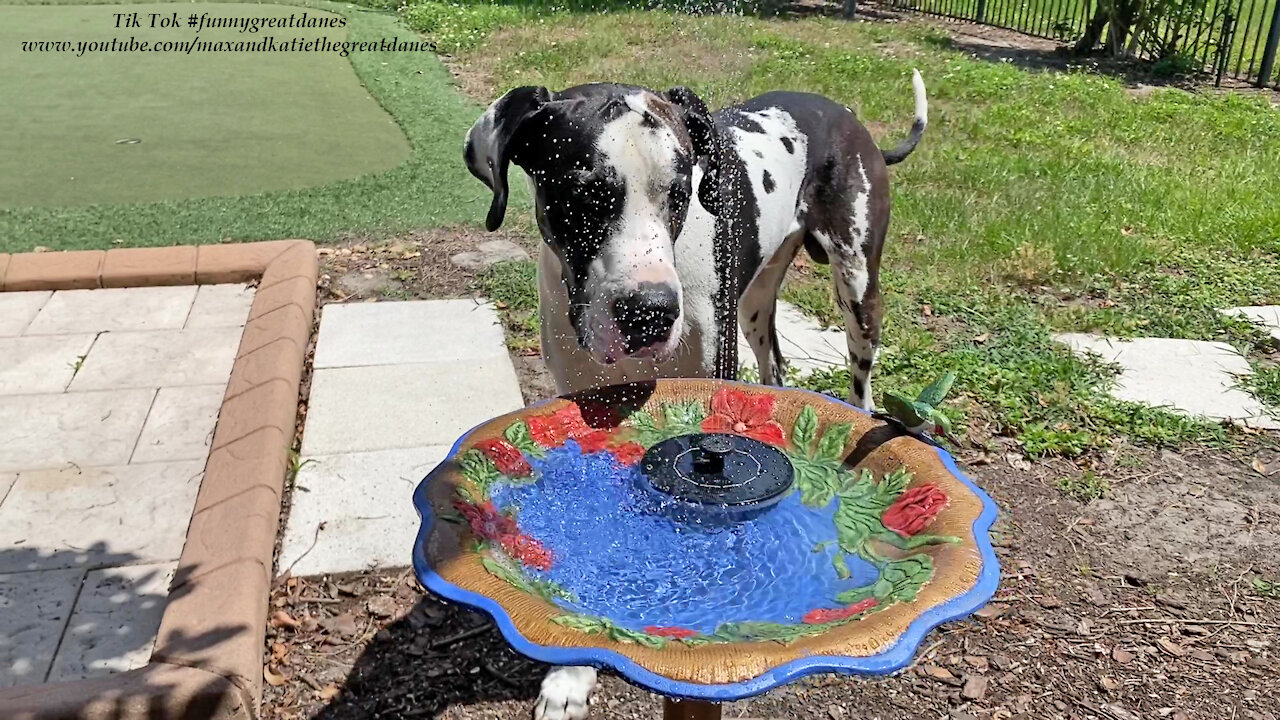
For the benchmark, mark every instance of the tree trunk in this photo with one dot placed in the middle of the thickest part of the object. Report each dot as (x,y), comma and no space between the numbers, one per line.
(850,9)
(1092,31)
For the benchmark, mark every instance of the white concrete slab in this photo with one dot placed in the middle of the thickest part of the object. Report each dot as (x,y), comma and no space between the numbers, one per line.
(34,608)
(393,333)
(114,309)
(363,499)
(806,345)
(17,309)
(6,482)
(92,428)
(98,517)
(162,358)
(404,406)
(1268,315)
(1189,376)
(40,364)
(114,623)
(220,306)
(180,424)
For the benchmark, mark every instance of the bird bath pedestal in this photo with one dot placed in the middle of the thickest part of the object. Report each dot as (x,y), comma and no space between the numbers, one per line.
(707,540)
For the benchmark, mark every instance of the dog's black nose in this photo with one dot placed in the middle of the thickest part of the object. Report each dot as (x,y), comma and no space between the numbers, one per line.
(646,314)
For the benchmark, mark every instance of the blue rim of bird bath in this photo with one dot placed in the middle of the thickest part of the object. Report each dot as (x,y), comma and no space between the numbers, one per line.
(890,659)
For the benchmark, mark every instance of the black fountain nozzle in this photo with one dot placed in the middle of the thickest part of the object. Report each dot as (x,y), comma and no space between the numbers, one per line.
(717,476)
(709,454)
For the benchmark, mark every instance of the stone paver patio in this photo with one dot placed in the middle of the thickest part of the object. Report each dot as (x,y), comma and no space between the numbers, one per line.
(109,399)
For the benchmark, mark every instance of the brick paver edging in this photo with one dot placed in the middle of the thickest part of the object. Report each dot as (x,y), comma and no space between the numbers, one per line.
(207,661)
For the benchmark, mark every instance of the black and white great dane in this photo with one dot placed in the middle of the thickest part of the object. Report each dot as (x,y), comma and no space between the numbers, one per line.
(667,227)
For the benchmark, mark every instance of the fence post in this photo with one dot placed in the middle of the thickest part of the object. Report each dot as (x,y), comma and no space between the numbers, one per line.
(1269,52)
(982,12)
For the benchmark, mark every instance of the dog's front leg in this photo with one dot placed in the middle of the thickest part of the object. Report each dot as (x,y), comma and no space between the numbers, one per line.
(566,694)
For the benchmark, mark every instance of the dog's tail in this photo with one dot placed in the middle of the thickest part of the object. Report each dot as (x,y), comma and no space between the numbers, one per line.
(904,148)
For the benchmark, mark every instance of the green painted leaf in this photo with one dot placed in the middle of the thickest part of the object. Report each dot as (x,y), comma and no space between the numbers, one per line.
(901,580)
(816,481)
(849,597)
(687,415)
(584,623)
(479,469)
(518,435)
(891,486)
(857,520)
(803,432)
(842,568)
(831,446)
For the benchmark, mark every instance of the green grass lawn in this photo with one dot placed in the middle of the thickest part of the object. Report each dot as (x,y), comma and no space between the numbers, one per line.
(1036,203)
(216,123)
(321,126)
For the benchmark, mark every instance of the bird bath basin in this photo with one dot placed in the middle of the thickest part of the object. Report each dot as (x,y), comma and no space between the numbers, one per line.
(708,540)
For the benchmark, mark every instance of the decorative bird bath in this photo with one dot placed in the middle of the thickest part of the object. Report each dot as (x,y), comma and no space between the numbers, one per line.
(708,540)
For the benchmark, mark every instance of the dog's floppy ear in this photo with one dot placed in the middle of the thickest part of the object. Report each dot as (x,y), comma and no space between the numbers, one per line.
(488,151)
(706,143)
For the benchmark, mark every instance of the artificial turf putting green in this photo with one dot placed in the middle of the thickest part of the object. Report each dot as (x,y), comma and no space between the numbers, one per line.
(209,123)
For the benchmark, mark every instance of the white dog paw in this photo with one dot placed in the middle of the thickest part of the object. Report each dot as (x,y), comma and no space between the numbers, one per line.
(566,692)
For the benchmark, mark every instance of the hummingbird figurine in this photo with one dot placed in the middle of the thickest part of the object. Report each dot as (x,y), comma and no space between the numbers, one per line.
(921,414)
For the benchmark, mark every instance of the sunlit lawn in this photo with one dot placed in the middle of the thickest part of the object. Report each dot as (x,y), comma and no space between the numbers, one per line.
(1037,202)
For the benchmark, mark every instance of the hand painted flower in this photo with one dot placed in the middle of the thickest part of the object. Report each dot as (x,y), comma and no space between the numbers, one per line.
(553,429)
(507,457)
(740,413)
(594,441)
(914,510)
(675,633)
(486,521)
(822,616)
(629,453)
(528,551)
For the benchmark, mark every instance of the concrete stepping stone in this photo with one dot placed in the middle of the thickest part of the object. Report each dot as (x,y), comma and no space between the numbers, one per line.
(180,424)
(34,609)
(114,623)
(395,384)
(398,333)
(1268,315)
(805,344)
(1193,377)
(364,502)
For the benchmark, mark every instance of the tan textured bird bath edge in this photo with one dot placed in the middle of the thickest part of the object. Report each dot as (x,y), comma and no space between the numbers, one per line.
(207,658)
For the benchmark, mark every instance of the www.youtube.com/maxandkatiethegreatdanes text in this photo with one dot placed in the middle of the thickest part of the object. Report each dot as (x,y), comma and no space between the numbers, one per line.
(200,22)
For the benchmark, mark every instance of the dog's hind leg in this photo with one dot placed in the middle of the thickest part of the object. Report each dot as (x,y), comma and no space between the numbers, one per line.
(758,312)
(857,291)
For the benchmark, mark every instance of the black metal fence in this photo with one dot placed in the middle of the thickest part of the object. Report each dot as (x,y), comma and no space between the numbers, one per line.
(1225,38)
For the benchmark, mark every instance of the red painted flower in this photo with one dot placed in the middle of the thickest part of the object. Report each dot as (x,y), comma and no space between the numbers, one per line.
(822,616)
(553,429)
(675,633)
(740,413)
(914,510)
(507,457)
(594,441)
(629,453)
(486,521)
(528,551)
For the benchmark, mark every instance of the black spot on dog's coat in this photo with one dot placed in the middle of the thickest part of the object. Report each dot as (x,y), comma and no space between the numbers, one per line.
(758,154)
(767,180)
(864,364)
(790,146)
(755,316)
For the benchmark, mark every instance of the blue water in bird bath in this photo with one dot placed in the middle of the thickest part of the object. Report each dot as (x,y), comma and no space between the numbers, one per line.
(639,568)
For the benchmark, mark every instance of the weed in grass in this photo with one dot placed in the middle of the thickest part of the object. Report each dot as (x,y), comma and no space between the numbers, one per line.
(1264,383)
(1086,488)
(512,286)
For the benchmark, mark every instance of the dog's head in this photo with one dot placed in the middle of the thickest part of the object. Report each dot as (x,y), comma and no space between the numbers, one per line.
(613,169)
